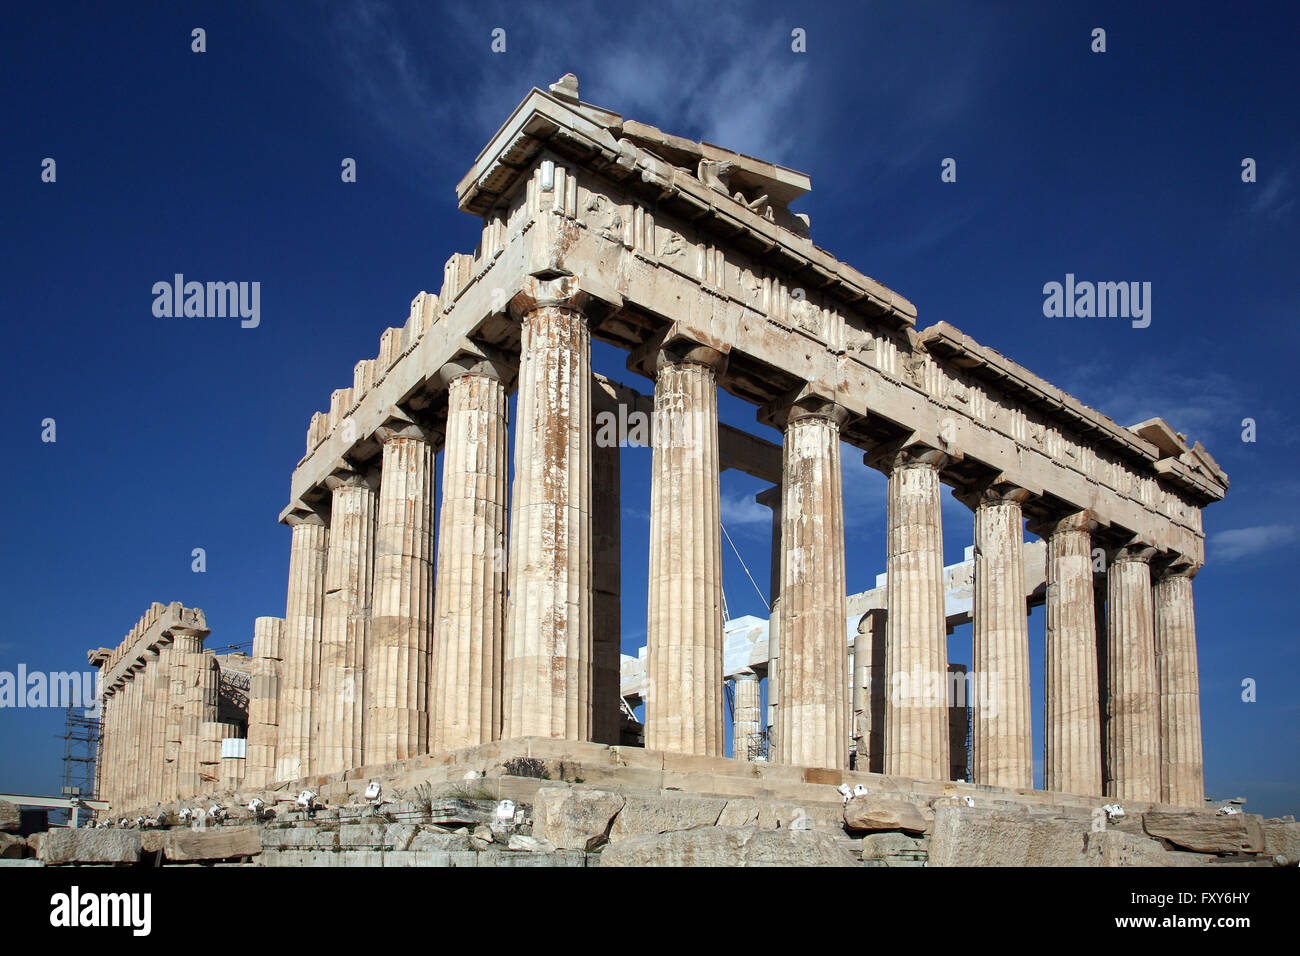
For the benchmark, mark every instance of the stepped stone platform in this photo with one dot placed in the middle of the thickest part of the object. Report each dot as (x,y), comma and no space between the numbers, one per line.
(585,804)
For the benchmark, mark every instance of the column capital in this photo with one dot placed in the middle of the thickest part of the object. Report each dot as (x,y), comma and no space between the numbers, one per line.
(475,359)
(670,348)
(1085,521)
(345,476)
(570,292)
(992,491)
(907,453)
(305,516)
(1166,565)
(800,404)
(1132,551)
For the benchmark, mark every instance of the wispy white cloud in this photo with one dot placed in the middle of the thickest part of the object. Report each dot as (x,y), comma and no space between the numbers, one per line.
(1244,542)
(427,77)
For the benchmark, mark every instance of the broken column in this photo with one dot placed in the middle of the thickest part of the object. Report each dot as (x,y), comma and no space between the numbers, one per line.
(303,621)
(401,617)
(1003,725)
(684,690)
(345,620)
(469,598)
(813,725)
(869,671)
(1182,779)
(916,642)
(746,725)
(547,672)
(1133,705)
(264,701)
(1072,722)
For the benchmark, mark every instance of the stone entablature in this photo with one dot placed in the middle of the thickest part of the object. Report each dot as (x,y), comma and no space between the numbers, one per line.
(155,627)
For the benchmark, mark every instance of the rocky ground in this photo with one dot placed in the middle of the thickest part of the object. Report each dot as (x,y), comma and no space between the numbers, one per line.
(575,825)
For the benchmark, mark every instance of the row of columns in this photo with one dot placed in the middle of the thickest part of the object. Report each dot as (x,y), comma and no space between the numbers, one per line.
(382,661)
(151,721)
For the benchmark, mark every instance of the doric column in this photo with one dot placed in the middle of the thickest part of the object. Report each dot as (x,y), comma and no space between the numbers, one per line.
(916,635)
(812,729)
(401,616)
(607,612)
(148,681)
(304,611)
(1182,780)
(1133,727)
(469,599)
(1099,589)
(869,675)
(107,756)
(547,672)
(1002,733)
(264,702)
(200,706)
(684,685)
(131,693)
(747,723)
(771,499)
(346,614)
(160,692)
(1072,716)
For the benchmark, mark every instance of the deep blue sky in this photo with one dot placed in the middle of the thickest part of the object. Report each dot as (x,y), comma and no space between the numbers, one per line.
(175,434)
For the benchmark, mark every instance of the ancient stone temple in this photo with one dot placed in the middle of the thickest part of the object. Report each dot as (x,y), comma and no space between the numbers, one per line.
(413,634)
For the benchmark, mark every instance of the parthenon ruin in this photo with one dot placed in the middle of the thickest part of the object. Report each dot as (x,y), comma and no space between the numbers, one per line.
(498,619)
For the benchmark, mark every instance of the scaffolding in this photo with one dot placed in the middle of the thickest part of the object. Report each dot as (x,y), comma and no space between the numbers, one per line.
(81,742)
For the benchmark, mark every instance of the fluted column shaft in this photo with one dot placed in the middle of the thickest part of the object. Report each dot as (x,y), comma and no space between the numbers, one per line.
(346,617)
(264,697)
(1072,723)
(813,721)
(296,748)
(161,695)
(916,637)
(1182,780)
(870,676)
(747,722)
(684,694)
(200,706)
(131,752)
(548,665)
(1003,724)
(1133,728)
(401,618)
(469,599)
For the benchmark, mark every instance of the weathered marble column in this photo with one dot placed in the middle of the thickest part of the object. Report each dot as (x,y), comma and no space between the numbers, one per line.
(771,499)
(469,599)
(813,725)
(161,696)
(1182,779)
(1072,719)
(747,722)
(297,747)
(107,757)
(548,665)
(264,702)
(1133,728)
(346,617)
(607,611)
(401,616)
(684,685)
(200,707)
(869,669)
(916,636)
(151,736)
(1003,724)
(134,755)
